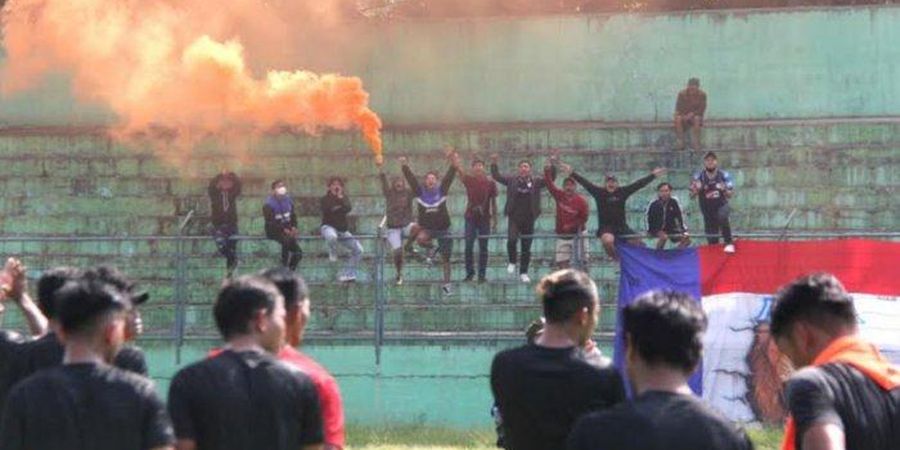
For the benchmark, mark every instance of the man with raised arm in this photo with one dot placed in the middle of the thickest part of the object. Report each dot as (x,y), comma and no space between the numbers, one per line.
(610,200)
(398,217)
(433,216)
(571,217)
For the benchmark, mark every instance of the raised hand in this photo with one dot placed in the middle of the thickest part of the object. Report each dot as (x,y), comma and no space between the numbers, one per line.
(403,160)
(659,171)
(567,169)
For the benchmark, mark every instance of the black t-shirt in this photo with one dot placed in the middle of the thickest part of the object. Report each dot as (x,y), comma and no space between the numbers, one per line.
(243,400)
(658,421)
(9,344)
(541,392)
(131,358)
(841,395)
(85,407)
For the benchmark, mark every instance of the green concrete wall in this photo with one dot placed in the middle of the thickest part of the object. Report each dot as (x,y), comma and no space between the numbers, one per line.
(755,64)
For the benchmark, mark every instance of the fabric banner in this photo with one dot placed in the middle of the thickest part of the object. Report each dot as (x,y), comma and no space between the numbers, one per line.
(742,370)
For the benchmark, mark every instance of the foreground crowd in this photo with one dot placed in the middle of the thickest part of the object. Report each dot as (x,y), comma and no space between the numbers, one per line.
(78,383)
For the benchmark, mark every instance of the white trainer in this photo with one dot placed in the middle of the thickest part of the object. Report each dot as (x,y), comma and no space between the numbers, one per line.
(729,248)
(525,278)
(510,268)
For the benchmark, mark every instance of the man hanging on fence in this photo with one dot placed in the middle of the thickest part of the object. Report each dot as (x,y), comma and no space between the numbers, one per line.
(433,216)
(845,394)
(523,206)
(571,217)
(224,190)
(610,200)
(281,224)
(398,217)
(335,206)
(665,220)
(481,216)
(713,187)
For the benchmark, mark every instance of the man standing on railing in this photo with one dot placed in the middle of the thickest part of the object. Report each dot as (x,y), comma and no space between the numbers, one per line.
(481,216)
(433,217)
(610,201)
(398,216)
(714,187)
(571,216)
(281,224)
(224,190)
(523,206)
(335,206)
(665,220)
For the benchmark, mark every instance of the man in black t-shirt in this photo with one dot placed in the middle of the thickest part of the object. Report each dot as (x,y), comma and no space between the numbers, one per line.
(87,404)
(224,190)
(846,394)
(663,346)
(244,398)
(541,388)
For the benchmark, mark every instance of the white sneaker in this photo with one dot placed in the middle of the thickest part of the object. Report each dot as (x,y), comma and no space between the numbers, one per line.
(524,277)
(510,268)
(332,256)
(729,248)
(346,278)
(399,281)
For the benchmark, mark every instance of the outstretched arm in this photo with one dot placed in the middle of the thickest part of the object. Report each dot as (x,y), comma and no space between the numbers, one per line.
(495,171)
(410,177)
(639,184)
(592,188)
(548,181)
(447,181)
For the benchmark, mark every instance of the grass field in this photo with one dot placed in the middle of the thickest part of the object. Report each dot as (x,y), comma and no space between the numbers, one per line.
(420,437)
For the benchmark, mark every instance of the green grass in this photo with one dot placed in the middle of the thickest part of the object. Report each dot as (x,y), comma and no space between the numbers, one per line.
(423,437)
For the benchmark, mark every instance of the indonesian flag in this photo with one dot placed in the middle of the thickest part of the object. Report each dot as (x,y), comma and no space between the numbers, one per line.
(742,370)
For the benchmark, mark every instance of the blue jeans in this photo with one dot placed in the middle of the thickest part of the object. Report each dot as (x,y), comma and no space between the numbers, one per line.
(475,229)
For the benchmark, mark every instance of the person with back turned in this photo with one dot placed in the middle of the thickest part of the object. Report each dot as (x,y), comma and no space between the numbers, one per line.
(845,394)
(86,403)
(244,398)
(663,347)
(542,388)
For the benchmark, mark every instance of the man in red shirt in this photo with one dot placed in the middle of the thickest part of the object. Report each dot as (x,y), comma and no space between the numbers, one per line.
(481,215)
(296,302)
(571,217)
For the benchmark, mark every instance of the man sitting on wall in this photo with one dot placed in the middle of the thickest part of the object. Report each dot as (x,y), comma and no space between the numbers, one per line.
(689,111)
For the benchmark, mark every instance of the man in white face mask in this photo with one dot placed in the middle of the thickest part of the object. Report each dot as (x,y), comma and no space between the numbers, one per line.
(281,224)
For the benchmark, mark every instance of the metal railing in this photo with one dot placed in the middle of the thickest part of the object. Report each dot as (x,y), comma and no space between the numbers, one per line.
(183,273)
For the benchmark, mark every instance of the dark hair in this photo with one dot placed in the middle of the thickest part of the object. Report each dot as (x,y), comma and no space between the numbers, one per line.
(569,180)
(118,280)
(525,161)
(664,183)
(666,327)
(335,179)
(433,172)
(710,155)
(565,292)
(291,286)
(477,161)
(48,285)
(694,82)
(239,300)
(818,298)
(81,304)
(276,182)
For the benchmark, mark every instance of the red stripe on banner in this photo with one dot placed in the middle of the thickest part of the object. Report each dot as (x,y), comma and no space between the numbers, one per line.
(762,267)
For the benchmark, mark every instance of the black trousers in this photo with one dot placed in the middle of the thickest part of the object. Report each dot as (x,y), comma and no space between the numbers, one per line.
(716,219)
(291,254)
(517,227)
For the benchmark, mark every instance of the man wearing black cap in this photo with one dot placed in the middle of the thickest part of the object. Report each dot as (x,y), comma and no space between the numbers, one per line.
(714,187)
(48,350)
(243,398)
(542,388)
(689,111)
(610,200)
(86,403)
(224,190)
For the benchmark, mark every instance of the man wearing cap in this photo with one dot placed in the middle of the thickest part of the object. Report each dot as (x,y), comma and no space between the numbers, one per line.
(335,229)
(224,190)
(542,388)
(713,187)
(689,111)
(610,200)
(86,403)
(244,398)
(48,350)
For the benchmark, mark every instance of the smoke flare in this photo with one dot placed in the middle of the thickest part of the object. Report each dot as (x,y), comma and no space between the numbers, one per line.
(178,65)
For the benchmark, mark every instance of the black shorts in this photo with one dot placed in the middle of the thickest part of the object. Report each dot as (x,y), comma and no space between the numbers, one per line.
(445,243)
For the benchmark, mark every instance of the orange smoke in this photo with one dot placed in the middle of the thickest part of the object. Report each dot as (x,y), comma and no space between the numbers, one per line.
(176,64)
